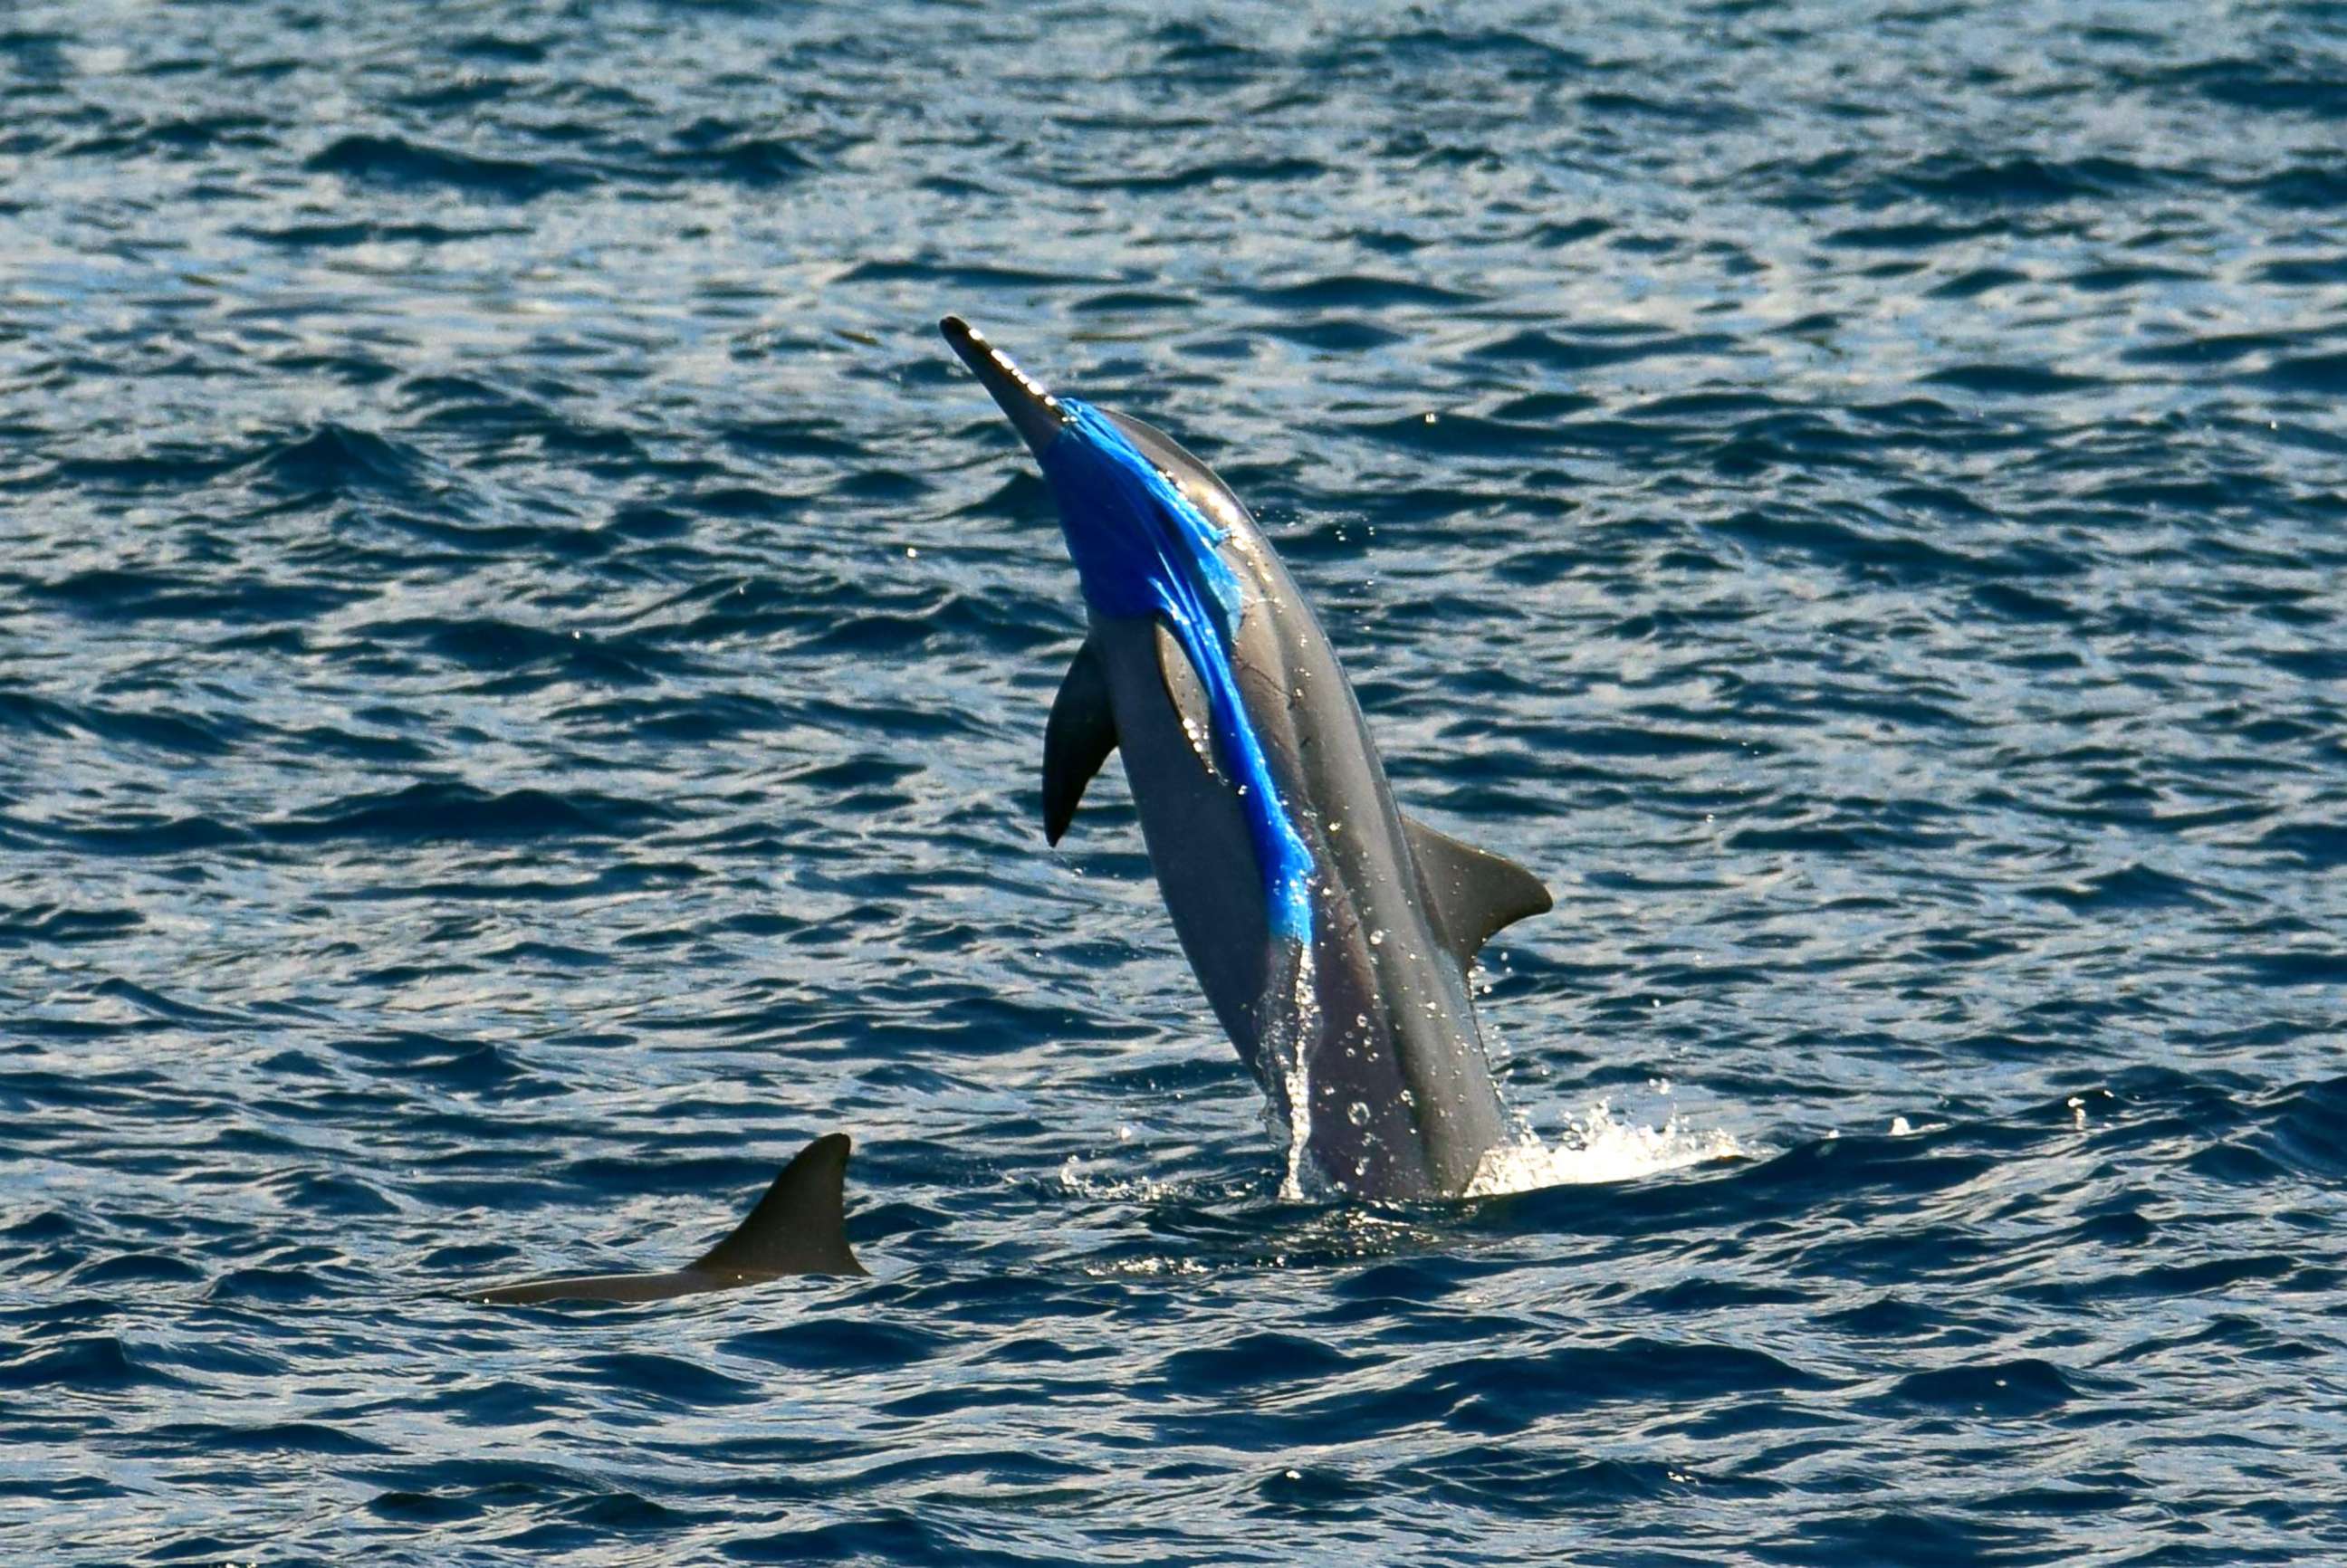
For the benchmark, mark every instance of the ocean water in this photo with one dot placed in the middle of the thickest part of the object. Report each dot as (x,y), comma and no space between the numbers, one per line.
(522,671)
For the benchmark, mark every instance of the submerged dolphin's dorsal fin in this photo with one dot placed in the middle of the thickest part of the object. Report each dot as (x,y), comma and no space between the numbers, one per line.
(1077,740)
(1471,892)
(800,1226)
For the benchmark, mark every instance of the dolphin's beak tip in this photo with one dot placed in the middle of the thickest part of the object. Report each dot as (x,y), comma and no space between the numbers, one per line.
(1034,412)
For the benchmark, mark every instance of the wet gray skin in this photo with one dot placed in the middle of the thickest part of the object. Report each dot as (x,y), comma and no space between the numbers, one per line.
(798,1227)
(1400,1100)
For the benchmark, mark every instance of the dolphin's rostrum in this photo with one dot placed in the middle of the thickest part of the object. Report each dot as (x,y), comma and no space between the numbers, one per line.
(798,1227)
(1331,933)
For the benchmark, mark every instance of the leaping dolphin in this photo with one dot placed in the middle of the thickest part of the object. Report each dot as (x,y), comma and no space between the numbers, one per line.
(798,1227)
(1332,934)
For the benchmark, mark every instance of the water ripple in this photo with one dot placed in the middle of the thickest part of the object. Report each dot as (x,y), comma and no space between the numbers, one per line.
(521,668)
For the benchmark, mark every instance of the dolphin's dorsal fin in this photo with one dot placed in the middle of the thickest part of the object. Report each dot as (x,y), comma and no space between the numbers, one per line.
(1077,740)
(800,1226)
(1471,892)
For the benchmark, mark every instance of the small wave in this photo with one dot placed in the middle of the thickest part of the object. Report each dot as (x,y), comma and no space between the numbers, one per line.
(1684,113)
(1253,1361)
(93,1363)
(443,810)
(760,162)
(502,50)
(825,1344)
(1464,435)
(2112,279)
(162,732)
(1976,281)
(2012,380)
(390,160)
(650,1378)
(2028,1386)
(1596,347)
(2132,887)
(493,645)
(342,236)
(1222,171)
(2304,187)
(337,459)
(2325,373)
(960,276)
(1358,291)
(59,924)
(111,594)
(2316,845)
(2284,85)
(2305,271)
(1335,335)
(2019,181)
(1917,236)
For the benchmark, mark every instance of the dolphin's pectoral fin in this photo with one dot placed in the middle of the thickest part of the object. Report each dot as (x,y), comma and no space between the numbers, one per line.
(1187,694)
(1474,893)
(800,1226)
(1077,740)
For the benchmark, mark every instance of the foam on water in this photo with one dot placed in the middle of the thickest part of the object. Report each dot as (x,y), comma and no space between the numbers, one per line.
(1091,1180)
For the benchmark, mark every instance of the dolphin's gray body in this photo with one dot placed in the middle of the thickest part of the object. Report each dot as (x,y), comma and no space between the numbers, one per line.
(798,1227)
(1398,1095)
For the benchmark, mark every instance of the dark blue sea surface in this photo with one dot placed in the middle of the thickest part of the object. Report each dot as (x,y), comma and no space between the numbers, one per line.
(522,669)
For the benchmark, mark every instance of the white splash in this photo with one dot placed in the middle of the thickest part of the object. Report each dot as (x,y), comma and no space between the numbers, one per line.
(1094,1181)
(1599,1145)
(1290,1014)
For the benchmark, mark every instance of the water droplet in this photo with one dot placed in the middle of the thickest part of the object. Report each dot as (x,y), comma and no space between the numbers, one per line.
(1358,1113)
(1377,938)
